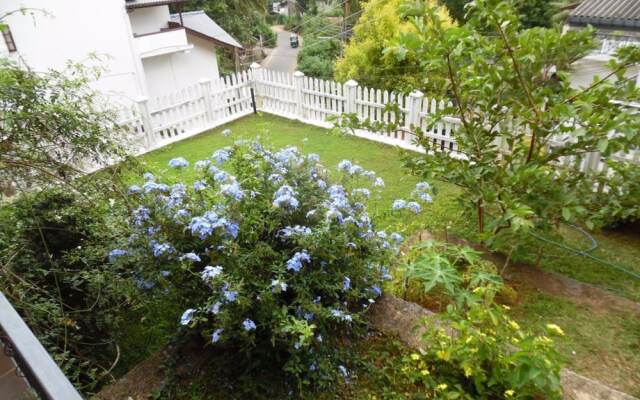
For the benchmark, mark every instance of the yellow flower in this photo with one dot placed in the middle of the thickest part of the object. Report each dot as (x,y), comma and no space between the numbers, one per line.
(555,329)
(514,325)
(509,393)
(415,356)
(425,372)
(442,386)
(506,307)
(468,371)
(442,355)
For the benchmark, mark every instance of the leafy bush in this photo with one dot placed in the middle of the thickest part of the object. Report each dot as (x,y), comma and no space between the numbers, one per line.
(321,47)
(55,273)
(489,356)
(278,261)
(617,201)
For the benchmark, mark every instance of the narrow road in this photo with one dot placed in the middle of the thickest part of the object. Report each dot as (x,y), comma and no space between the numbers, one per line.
(282,57)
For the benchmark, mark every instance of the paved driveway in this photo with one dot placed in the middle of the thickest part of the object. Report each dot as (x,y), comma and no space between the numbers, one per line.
(282,57)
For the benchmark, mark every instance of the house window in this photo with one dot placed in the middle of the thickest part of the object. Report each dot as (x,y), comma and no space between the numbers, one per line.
(8,39)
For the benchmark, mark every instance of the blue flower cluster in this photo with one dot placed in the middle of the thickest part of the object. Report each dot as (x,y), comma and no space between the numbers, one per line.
(179,162)
(284,198)
(295,263)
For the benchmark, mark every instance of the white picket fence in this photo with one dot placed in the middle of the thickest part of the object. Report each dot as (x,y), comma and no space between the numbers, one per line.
(162,120)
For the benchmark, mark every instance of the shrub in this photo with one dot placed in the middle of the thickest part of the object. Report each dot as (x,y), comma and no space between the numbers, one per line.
(280,260)
(55,273)
(489,356)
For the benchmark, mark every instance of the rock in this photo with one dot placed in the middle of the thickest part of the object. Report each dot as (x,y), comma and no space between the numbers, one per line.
(406,320)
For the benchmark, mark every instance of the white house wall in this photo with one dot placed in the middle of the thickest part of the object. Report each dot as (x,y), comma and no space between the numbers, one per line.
(149,19)
(73,30)
(172,72)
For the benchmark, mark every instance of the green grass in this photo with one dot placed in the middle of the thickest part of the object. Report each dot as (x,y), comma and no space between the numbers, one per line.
(603,346)
(597,339)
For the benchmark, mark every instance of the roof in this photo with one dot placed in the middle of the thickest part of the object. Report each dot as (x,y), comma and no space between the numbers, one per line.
(131,4)
(607,13)
(199,23)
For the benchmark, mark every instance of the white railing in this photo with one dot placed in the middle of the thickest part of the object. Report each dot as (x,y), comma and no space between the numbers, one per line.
(198,108)
(610,43)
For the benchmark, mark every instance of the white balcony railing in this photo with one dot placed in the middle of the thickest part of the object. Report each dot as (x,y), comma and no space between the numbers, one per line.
(163,42)
(610,43)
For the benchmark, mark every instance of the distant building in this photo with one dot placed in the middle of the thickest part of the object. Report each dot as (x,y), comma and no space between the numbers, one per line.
(145,50)
(617,23)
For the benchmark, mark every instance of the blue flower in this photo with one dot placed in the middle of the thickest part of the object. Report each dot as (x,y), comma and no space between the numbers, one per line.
(415,207)
(133,189)
(426,197)
(352,245)
(193,257)
(115,253)
(297,230)
(210,272)
(215,337)
(164,273)
(230,295)
(275,178)
(215,308)
(356,169)
(376,289)
(345,165)
(232,229)
(379,182)
(143,284)
(226,132)
(160,249)
(202,164)
(369,174)
(346,283)
(386,276)
(295,263)
(423,186)
(187,316)
(313,157)
(343,371)
(182,214)
(277,284)
(140,215)
(179,162)
(232,190)
(248,325)
(399,204)
(284,198)
(199,185)
(220,156)
(341,315)
(148,176)
(396,237)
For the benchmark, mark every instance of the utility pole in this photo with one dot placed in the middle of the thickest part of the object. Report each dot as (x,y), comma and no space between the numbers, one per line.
(346,12)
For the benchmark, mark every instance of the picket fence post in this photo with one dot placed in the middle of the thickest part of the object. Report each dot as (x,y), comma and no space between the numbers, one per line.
(205,92)
(298,78)
(145,116)
(414,108)
(256,75)
(350,89)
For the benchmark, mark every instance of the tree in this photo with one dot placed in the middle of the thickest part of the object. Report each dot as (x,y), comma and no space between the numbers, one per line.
(532,12)
(365,59)
(244,20)
(519,115)
(51,124)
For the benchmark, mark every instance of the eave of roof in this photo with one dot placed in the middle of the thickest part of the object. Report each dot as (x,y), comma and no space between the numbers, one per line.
(607,13)
(133,4)
(199,24)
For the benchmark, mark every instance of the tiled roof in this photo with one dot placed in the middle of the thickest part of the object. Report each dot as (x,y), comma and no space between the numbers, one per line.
(607,13)
(149,3)
(199,22)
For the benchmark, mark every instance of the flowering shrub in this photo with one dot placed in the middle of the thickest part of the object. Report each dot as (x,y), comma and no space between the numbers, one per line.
(278,256)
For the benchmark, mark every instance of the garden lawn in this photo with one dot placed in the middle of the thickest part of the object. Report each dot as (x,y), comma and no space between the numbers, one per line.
(584,332)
